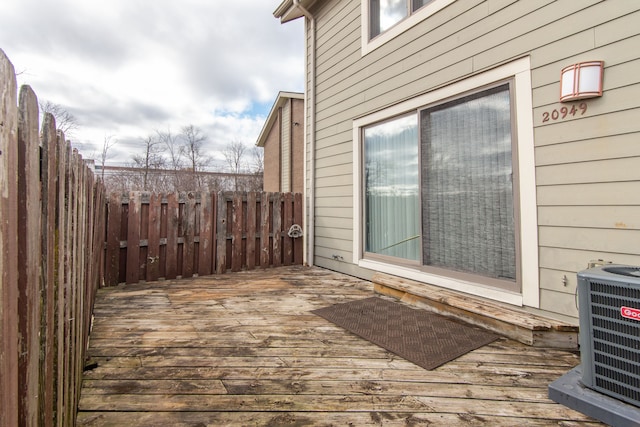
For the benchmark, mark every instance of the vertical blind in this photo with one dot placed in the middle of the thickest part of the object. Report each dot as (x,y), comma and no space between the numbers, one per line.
(467,191)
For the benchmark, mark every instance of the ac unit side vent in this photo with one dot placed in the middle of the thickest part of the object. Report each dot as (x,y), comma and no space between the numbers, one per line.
(610,343)
(623,367)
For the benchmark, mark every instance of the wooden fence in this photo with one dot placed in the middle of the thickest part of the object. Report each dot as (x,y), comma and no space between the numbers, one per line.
(51,235)
(61,239)
(152,236)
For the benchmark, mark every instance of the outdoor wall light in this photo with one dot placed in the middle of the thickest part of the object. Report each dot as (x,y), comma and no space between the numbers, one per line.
(581,80)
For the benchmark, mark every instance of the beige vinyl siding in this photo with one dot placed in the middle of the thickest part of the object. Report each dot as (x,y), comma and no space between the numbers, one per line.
(587,167)
(618,217)
(598,194)
(608,147)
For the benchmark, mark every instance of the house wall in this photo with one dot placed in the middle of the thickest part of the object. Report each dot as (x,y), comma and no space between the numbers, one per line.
(297,149)
(272,158)
(587,166)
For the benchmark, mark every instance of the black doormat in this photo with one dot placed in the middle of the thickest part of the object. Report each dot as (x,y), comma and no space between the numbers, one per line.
(426,339)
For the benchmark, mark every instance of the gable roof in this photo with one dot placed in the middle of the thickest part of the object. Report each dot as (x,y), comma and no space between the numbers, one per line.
(287,11)
(273,114)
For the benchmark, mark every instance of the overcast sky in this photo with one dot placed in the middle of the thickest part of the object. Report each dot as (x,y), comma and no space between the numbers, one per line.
(126,68)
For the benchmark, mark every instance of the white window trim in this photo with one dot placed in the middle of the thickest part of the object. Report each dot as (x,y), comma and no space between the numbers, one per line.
(520,71)
(402,26)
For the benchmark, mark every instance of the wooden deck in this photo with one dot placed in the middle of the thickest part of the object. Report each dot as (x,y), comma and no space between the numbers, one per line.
(244,349)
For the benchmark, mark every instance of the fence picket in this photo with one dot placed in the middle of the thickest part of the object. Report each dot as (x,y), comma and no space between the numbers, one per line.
(221,237)
(112,256)
(287,222)
(172,236)
(153,251)
(188,234)
(133,239)
(298,244)
(48,212)
(265,222)
(251,230)
(8,244)
(206,235)
(277,229)
(236,230)
(28,255)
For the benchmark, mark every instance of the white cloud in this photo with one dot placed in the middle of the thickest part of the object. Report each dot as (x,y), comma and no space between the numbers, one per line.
(127,69)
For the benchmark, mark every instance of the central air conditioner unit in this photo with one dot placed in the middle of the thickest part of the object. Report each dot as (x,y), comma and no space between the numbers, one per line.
(609,313)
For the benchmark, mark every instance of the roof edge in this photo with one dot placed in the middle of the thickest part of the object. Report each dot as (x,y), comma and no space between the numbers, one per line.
(271,118)
(287,11)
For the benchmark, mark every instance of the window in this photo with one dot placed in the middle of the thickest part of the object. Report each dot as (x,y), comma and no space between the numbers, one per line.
(464,154)
(466,184)
(383,20)
(392,208)
(453,209)
(384,14)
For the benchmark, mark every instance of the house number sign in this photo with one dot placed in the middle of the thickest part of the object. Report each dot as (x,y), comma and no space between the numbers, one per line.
(564,112)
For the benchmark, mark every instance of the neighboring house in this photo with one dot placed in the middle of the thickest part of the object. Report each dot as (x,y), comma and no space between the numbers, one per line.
(438,149)
(282,138)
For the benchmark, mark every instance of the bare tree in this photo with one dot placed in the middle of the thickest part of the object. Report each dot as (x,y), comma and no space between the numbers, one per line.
(234,156)
(172,146)
(191,150)
(258,160)
(108,142)
(65,121)
(151,159)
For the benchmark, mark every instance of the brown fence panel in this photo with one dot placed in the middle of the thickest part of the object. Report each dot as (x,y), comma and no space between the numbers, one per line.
(185,234)
(51,262)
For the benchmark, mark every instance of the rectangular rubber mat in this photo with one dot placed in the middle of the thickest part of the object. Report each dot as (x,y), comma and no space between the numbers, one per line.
(421,337)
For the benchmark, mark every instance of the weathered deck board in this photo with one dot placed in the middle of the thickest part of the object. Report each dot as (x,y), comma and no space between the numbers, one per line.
(243,349)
